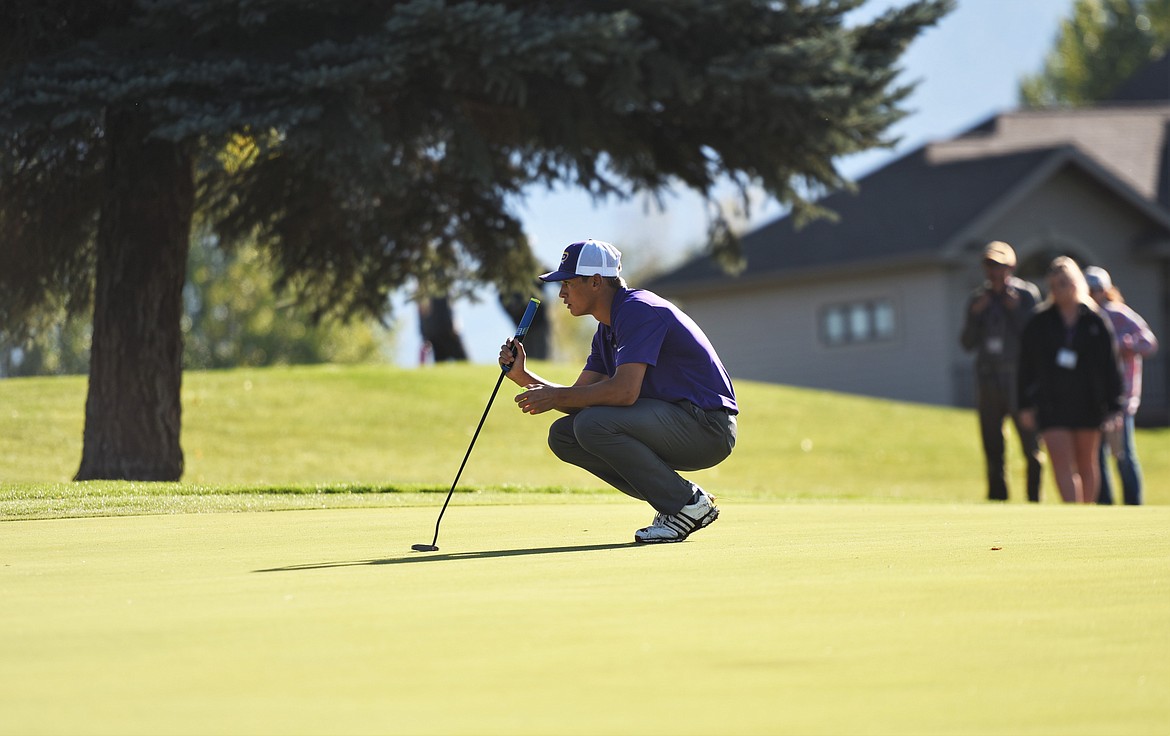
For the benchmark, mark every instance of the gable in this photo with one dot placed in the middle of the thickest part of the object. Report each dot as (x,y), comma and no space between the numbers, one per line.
(1127,140)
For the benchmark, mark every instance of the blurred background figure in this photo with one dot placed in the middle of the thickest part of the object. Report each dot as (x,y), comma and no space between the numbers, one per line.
(538,342)
(1134,342)
(1070,380)
(996,314)
(441,339)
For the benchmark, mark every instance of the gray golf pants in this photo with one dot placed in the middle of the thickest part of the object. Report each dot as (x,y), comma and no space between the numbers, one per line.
(638,449)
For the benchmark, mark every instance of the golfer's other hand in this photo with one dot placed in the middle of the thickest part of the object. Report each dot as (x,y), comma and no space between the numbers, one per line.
(536,399)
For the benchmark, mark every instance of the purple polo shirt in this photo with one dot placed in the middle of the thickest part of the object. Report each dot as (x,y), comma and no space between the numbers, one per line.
(680,362)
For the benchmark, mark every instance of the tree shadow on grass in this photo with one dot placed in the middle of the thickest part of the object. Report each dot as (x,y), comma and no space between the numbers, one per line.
(433,557)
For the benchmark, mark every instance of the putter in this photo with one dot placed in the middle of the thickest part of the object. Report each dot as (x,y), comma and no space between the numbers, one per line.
(521,331)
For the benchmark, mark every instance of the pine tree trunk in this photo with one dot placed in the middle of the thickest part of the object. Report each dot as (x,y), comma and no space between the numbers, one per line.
(133,411)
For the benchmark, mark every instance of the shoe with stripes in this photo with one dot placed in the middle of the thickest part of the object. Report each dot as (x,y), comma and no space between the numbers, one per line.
(700,512)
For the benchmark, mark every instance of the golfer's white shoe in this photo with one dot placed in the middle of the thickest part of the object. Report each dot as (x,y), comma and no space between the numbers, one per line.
(700,512)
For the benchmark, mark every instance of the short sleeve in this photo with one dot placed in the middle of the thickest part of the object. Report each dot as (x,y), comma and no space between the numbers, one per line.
(596,361)
(639,334)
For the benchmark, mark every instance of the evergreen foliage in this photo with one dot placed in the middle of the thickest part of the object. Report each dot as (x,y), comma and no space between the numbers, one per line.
(366,144)
(387,139)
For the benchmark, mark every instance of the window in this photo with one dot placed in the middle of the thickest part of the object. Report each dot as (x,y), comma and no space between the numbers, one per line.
(858,322)
(833,326)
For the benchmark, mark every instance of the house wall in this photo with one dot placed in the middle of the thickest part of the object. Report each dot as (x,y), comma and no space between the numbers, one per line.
(774,334)
(773,331)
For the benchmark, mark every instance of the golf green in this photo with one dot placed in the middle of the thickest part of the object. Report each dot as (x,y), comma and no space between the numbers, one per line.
(802,618)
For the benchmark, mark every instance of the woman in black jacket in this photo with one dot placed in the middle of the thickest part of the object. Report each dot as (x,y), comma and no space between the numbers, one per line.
(1070,380)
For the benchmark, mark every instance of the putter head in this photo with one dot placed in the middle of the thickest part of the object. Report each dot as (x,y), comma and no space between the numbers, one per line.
(424,548)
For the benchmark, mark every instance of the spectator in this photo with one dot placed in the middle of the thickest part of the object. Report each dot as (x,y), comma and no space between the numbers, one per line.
(995,317)
(1135,341)
(1070,380)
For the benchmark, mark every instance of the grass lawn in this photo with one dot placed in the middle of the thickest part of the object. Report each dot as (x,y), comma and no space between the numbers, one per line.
(325,435)
(855,583)
(802,618)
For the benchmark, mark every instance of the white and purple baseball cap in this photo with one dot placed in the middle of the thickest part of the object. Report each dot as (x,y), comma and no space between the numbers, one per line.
(586,258)
(1098,279)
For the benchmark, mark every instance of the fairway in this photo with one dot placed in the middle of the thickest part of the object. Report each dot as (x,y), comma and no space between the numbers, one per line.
(802,618)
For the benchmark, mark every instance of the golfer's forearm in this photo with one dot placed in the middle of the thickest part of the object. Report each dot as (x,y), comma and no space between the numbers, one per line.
(602,393)
(525,379)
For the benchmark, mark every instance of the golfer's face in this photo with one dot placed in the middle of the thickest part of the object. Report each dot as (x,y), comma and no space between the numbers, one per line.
(577,295)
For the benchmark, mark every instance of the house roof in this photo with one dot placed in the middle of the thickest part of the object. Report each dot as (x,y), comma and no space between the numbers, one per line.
(914,210)
(1129,140)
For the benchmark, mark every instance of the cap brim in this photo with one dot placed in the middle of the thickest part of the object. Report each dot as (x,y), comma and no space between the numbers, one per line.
(557,276)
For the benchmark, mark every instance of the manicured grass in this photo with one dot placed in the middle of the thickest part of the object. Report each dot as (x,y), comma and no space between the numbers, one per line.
(782,618)
(329,436)
(855,583)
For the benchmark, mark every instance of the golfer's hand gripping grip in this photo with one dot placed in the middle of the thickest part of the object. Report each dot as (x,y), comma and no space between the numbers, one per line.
(522,329)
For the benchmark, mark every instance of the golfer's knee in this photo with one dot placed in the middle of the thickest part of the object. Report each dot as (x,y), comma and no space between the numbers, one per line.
(589,426)
(561,439)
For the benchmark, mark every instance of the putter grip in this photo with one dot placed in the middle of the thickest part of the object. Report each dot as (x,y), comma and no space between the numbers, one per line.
(522,329)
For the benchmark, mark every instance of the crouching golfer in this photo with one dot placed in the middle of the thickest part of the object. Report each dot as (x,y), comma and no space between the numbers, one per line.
(653,397)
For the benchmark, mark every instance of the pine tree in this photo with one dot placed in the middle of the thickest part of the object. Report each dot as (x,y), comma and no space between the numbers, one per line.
(363,144)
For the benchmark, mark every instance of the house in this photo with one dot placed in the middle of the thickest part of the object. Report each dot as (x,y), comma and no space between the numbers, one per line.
(873,303)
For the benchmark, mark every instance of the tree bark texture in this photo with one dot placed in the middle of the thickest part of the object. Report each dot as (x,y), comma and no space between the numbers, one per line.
(133,411)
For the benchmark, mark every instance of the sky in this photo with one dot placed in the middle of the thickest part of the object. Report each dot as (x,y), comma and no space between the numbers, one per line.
(967,68)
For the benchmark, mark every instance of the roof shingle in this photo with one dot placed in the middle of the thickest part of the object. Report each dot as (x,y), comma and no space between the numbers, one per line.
(910,208)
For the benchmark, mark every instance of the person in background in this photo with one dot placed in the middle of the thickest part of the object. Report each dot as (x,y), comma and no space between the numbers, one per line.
(1070,380)
(996,314)
(1135,341)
